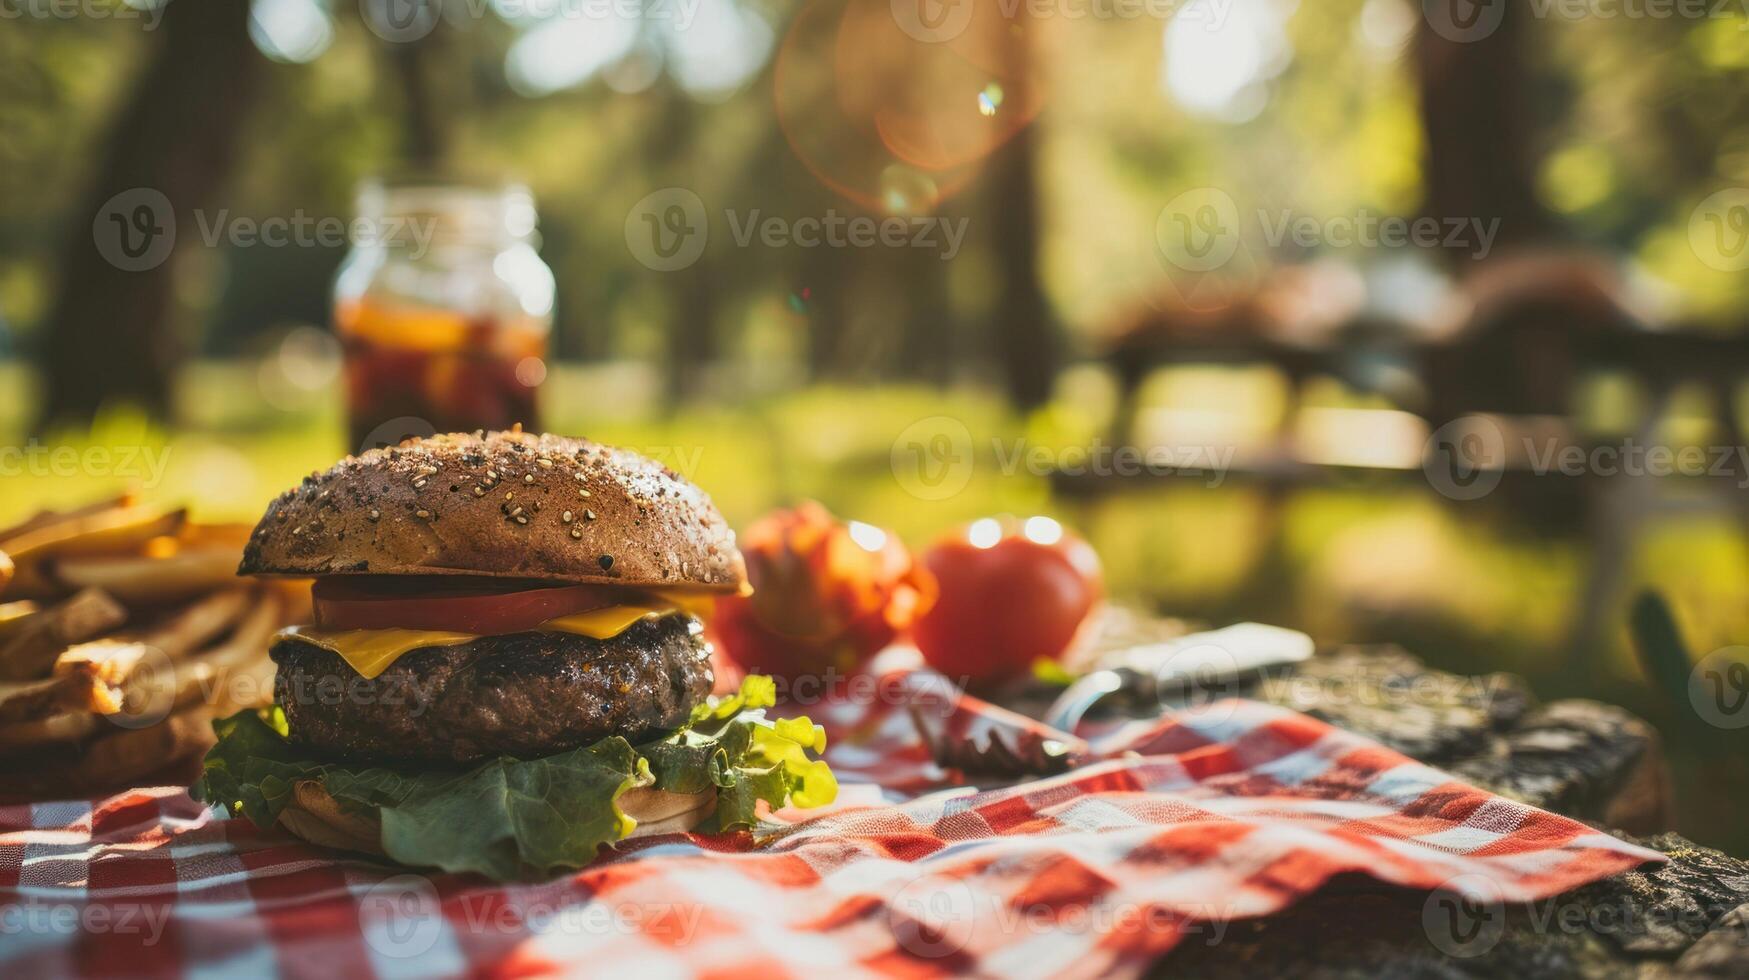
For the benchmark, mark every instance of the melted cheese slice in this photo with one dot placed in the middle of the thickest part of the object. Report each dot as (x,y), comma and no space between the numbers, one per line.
(370,652)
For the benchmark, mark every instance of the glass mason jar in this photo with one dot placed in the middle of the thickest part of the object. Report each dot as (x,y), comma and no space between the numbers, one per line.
(443,308)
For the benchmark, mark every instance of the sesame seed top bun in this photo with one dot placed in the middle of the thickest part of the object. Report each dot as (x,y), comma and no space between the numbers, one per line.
(499,504)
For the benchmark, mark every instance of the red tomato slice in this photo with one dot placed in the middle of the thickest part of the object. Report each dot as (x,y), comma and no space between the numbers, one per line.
(343,605)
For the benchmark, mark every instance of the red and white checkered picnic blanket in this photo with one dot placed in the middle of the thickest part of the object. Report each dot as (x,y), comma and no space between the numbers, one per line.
(1233,810)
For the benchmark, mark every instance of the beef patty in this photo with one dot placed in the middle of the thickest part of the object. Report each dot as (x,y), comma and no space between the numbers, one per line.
(524,694)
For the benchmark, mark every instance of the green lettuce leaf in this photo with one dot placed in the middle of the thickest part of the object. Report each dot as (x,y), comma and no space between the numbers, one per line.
(512,819)
(251,769)
(732,745)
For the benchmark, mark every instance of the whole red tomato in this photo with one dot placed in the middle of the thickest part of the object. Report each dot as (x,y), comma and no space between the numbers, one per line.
(1010,592)
(827,595)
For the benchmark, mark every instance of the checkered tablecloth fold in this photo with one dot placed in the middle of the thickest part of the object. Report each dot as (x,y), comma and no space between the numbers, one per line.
(1170,830)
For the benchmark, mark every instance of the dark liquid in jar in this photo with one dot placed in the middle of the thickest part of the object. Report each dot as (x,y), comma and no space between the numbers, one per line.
(396,390)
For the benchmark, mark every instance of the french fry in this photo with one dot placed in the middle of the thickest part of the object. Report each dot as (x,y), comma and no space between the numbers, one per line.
(32,700)
(115,530)
(107,664)
(61,729)
(235,674)
(130,753)
(30,648)
(14,615)
(251,637)
(109,529)
(221,536)
(45,518)
(207,676)
(138,580)
(201,622)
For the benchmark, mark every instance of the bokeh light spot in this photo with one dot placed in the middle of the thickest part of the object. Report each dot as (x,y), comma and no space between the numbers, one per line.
(1042,530)
(530,372)
(867,536)
(984,532)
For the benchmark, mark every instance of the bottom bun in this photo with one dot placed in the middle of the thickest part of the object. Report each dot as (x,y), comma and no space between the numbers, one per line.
(318,817)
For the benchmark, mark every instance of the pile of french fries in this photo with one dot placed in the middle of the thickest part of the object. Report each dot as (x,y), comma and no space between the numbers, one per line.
(123,632)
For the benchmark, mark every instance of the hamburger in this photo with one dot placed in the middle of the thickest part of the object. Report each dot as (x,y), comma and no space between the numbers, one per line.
(507,668)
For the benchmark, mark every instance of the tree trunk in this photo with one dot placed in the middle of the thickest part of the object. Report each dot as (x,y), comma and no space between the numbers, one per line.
(1026,344)
(110,334)
(1480,161)
(692,334)
(419,72)
(926,334)
(1027,348)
